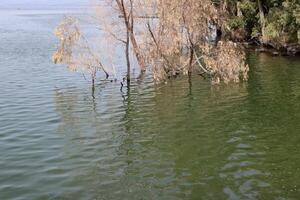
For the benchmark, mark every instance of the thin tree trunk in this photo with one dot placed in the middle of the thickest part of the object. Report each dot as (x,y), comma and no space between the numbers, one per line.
(262,21)
(238,8)
(137,51)
(128,20)
(127,58)
(93,84)
(191,46)
(191,60)
(158,47)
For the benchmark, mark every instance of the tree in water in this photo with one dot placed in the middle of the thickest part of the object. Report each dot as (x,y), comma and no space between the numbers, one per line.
(178,43)
(167,37)
(74,50)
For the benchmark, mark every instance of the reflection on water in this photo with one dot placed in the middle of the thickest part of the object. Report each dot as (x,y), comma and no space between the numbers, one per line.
(168,141)
(181,140)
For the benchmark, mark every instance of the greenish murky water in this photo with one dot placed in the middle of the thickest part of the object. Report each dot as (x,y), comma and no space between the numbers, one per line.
(182,140)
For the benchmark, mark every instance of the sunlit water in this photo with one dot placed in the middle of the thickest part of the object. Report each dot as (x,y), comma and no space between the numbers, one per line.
(181,140)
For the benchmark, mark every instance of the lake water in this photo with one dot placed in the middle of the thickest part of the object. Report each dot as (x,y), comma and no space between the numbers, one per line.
(181,140)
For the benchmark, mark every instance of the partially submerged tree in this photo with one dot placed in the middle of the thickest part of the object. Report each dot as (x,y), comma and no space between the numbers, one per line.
(178,41)
(225,62)
(116,20)
(169,37)
(74,50)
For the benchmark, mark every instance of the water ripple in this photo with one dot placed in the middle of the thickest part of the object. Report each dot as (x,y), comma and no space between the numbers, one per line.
(180,140)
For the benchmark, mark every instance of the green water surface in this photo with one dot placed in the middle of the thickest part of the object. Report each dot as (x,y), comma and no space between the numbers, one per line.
(180,140)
